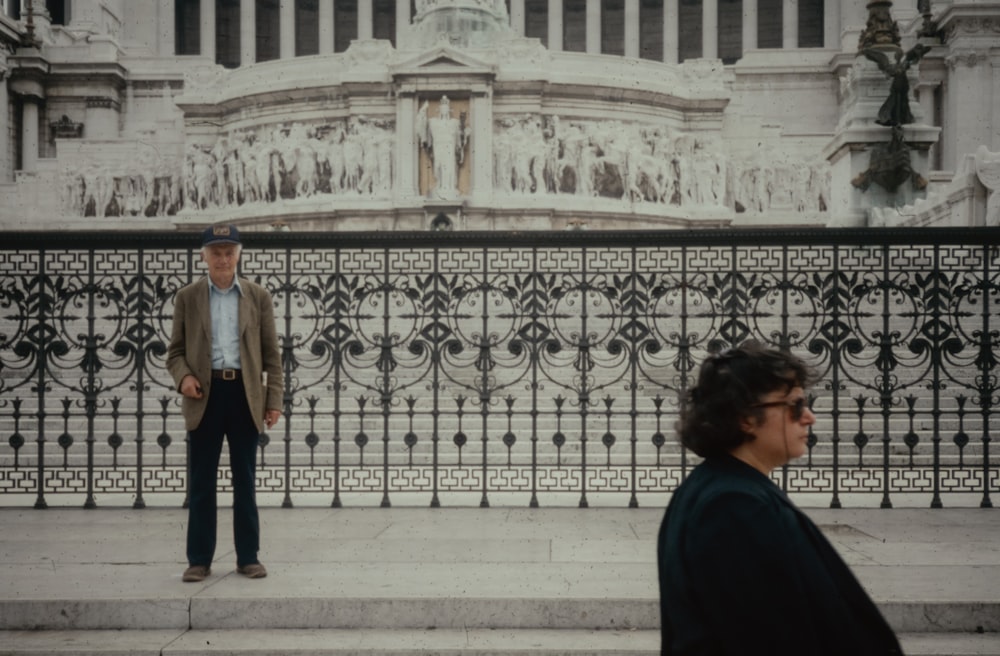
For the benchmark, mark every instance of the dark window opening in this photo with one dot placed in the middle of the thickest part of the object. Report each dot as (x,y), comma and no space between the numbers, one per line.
(306,27)
(227,32)
(575,25)
(536,20)
(13,9)
(811,23)
(187,27)
(268,30)
(689,45)
(384,20)
(651,29)
(345,24)
(730,30)
(613,27)
(58,11)
(769,26)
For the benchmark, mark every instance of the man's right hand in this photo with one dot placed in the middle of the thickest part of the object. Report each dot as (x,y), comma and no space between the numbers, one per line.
(191,388)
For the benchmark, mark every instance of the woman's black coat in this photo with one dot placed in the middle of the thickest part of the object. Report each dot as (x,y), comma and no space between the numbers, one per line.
(743,571)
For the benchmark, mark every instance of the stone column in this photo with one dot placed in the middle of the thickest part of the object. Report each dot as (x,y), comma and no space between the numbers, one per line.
(593,27)
(517,16)
(555,25)
(831,24)
(925,94)
(366,19)
(248,32)
(790,24)
(481,183)
(970,81)
(6,166)
(29,134)
(407,152)
(749,25)
(207,29)
(325,27)
(402,19)
(671,42)
(166,26)
(995,105)
(84,15)
(853,15)
(632,28)
(710,29)
(287,29)
(28,73)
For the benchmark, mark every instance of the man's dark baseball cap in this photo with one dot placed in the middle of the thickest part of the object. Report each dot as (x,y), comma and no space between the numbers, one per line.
(220,234)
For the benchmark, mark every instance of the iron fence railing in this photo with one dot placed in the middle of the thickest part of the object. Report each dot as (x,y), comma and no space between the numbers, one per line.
(520,368)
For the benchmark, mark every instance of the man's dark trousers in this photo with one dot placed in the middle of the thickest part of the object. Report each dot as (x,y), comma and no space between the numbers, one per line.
(226,414)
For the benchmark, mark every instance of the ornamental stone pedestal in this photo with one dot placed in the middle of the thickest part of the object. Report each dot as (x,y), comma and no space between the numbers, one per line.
(881,149)
(860,141)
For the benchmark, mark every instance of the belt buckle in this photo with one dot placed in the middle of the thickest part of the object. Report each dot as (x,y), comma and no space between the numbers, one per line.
(228,374)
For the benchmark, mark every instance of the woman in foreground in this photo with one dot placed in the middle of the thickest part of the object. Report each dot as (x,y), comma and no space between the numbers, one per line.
(742,570)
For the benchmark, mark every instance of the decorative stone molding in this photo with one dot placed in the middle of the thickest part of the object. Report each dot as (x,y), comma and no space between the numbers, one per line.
(968,57)
(204,78)
(102,102)
(880,29)
(65,128)
(971,26)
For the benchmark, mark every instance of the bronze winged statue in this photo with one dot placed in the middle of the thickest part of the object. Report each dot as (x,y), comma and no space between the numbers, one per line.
(896,109)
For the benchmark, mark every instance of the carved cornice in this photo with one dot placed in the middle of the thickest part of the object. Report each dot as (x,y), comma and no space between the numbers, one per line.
(969,22)
(28,70)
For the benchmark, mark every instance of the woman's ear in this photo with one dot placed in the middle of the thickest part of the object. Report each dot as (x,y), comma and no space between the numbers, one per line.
(748,423)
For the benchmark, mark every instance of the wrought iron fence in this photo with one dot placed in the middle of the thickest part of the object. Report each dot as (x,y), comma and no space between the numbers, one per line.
(519,368)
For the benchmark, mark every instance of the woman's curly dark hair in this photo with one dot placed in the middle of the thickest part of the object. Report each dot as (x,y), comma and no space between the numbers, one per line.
(730,384)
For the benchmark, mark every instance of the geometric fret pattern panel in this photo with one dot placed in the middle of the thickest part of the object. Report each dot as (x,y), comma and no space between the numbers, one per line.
(526,369)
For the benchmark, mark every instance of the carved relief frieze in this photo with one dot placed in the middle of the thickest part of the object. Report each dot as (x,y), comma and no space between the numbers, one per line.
(641,163)
(145,185)
(288,162)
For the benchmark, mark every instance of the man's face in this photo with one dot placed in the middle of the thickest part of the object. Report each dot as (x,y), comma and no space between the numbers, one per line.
(221,260)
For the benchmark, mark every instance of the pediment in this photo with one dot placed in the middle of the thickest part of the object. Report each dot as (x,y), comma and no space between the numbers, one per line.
(443,60)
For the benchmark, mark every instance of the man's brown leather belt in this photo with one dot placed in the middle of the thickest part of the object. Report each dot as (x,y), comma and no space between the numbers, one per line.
(226,374)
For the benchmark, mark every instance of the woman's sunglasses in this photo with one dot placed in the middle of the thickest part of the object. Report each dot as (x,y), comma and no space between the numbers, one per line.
(797,407)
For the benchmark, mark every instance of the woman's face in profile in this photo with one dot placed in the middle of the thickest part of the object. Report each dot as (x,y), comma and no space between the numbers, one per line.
(783,432)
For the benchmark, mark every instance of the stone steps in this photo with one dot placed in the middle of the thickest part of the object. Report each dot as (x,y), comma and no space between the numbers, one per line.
(435,581)
(370,642)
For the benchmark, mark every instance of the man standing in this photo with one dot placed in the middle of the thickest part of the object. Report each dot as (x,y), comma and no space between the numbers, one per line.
(224,359)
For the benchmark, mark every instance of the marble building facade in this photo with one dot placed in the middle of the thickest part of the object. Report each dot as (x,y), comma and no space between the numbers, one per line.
(496,114)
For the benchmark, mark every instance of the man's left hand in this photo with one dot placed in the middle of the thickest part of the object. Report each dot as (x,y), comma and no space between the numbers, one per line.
(271,417)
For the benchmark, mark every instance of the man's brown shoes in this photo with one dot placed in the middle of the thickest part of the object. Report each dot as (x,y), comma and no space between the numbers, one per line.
(252,571)
(197,573)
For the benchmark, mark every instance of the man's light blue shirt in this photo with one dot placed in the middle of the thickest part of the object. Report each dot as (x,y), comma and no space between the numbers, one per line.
(224,306)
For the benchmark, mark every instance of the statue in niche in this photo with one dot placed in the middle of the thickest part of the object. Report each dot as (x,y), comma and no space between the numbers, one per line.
(445,139)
